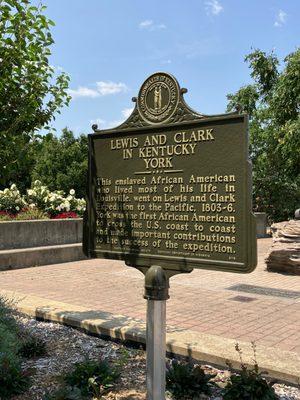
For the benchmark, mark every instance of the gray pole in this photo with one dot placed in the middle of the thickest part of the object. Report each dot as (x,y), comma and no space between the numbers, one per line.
(156,293)
(156,349)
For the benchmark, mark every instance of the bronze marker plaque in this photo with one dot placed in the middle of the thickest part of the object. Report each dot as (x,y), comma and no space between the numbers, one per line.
(171,187)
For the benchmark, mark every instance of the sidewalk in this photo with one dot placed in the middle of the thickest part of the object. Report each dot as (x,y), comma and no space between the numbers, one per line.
(263,307)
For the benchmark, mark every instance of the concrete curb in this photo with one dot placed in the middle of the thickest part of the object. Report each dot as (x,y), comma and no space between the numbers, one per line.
(279,364)
(42,255)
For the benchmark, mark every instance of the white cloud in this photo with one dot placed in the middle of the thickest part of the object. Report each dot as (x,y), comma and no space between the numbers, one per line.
(57,68)
(280,19)
(105,88)
(127,112)
(97,121)
(150,25)
(102,89)
(213,7)
(103,124)
(146,24)
(83,92)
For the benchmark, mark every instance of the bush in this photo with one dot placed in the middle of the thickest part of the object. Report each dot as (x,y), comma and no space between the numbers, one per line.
(91,376)
(11,200)
(55,202)
(5,216)
(249,384)
(39,203)
(12,379)
(185,380)
(32,346)
(29,214)
(7,313)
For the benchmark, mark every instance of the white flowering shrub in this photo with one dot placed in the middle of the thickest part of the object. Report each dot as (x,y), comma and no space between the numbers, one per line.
(11,200)
(54,203)
(39,197)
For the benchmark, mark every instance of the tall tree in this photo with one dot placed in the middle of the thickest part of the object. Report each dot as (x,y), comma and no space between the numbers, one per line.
(61,162)
(273,104)
(30,90)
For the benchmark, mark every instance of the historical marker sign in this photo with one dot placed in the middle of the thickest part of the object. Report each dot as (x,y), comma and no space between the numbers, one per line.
(171,187)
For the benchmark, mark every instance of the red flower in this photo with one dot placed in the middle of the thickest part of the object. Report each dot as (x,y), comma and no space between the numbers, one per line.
(6,213)
(65,215)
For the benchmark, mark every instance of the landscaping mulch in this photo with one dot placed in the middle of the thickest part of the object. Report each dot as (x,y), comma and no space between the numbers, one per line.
(67,346)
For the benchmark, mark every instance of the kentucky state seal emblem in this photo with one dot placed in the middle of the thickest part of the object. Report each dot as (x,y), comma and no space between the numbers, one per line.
(158,98)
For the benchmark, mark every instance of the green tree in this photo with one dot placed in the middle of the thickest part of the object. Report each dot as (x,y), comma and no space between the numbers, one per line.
(30,90)
(61,162)
(273,105)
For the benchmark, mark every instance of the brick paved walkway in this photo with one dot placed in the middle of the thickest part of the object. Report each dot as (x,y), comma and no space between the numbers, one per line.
(200,301)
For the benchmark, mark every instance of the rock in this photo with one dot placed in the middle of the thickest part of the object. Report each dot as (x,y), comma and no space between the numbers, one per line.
(284,254)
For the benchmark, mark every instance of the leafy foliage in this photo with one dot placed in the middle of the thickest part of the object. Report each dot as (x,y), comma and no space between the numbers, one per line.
(11,200)
(12,379)
(31,214)
(30,90)
(273,104)
(7,312)
(90,375)
(62,162)
(185,380)
(31,346)
(39,203)
(249,384)
(5,216)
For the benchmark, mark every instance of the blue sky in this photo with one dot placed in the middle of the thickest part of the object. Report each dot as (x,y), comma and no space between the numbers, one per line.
(109,47)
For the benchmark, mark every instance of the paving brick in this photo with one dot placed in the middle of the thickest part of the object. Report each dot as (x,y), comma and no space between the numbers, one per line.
(200,300)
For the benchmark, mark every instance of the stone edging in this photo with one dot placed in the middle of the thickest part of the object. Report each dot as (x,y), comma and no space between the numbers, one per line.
(281,365)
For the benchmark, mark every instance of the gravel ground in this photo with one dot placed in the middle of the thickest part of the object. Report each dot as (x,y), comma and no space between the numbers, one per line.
(67,346)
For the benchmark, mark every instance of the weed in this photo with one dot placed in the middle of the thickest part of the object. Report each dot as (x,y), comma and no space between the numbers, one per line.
(90,375)
(187,380)
(249,384)
(7,314)
(12,379)
(32,346)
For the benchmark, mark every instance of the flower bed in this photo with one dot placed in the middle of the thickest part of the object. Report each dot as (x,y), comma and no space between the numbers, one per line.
(39,203)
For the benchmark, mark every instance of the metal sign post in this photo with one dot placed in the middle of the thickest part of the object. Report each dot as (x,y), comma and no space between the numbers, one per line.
(156,293)
(169,190)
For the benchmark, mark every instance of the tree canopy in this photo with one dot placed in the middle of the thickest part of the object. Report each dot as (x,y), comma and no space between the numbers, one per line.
(273,104)
(31,91)
(62,162)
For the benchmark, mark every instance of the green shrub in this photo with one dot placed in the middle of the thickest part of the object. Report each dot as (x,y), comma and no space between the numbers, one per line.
(7,312)
(12,379)
(4,216)
(8,340)
(88,375)
(249,383)
(32,346)
(11,200)
(185,380)
(31,214)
